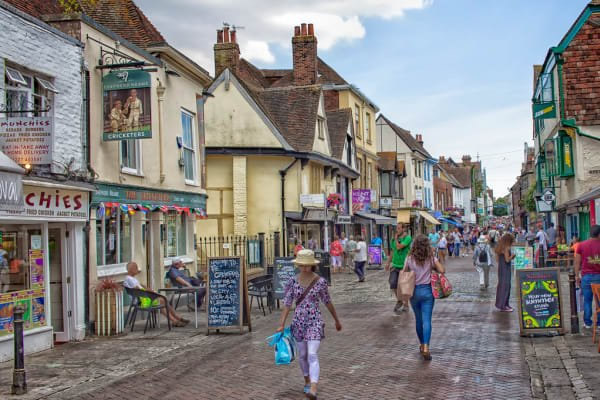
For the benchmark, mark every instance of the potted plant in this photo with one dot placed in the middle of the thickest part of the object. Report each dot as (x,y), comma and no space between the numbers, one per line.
(109,308)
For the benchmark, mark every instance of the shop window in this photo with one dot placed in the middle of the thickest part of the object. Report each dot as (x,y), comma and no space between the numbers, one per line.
(189,147)
(113,238)
(309,235)
(131,157)
(176,240)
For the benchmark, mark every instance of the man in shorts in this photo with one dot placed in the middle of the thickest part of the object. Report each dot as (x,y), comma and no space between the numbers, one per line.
(400,246)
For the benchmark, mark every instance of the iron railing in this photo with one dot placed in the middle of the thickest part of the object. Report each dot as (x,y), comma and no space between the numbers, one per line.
(258,251)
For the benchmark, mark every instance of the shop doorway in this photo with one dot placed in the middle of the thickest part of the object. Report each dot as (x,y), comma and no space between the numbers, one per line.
(60,282)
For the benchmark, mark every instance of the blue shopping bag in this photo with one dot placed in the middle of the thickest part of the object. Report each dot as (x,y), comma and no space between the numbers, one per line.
(284,346)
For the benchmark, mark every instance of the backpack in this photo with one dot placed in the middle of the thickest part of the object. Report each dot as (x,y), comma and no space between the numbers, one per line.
(483,256)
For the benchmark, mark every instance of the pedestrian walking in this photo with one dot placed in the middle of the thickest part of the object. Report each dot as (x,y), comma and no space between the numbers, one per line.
(400,247)
(336,251)
(587,271)
(483,260)
(492,235)
(308,289)
(504,257)
(442,248)
(434,238)
(457,239)
(349,253)
(421,261)
(360,258)
(551,234)
(542,239)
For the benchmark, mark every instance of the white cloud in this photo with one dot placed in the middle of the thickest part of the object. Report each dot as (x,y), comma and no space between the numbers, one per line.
(191,24)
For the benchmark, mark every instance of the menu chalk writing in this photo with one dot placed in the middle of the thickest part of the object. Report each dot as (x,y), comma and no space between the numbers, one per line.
(224,292)
(283,270)
(539,300)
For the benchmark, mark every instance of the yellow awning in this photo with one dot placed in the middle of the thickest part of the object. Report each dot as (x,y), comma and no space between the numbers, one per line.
(403,217)
(429,218)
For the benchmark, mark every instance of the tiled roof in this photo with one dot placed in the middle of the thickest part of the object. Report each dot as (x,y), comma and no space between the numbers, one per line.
(451,176)
(285,77)
(407,138)
(461,174)
(125,19)
(387,160)
(120,16)
(294,111)
(36,8)
(337,125)
(251,75)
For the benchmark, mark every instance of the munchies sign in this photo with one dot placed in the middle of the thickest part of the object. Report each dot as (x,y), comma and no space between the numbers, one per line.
(27,140)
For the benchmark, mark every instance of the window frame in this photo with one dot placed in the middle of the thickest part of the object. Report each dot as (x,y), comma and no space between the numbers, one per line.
(181,218)
(137,147)
(357,121)
(102,249)
(192,149)
(367,128)
(36,88)
(321,127)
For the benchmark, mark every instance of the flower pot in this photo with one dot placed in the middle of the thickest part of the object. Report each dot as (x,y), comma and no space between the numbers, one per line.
(109,313)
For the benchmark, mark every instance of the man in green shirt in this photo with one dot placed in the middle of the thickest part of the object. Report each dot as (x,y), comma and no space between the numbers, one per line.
(400,246)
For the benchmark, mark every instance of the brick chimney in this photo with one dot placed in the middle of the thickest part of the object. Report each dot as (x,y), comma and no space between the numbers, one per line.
(441,160)
(227,51)
(466,160)
(304,49)
(419,138)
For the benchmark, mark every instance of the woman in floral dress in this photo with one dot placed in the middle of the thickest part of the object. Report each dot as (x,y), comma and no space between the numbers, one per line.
(307,325)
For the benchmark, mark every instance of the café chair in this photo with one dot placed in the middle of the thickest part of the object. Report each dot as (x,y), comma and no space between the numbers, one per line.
(152,319)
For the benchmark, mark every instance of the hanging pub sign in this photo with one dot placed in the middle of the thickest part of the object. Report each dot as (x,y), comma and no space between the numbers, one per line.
(27,140)
(544,110)
(126,107)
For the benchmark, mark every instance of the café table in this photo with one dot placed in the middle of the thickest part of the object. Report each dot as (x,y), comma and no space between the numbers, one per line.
(185,290)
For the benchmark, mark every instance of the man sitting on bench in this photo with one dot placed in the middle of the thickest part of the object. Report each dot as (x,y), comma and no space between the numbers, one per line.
(179,278)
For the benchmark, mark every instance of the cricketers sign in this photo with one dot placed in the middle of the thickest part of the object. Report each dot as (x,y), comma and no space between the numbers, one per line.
(127,111)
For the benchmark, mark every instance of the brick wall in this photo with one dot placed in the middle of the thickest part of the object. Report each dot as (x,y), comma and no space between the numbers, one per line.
(440,187)
(36,48)
(227,55)
(582,74)
(332,100)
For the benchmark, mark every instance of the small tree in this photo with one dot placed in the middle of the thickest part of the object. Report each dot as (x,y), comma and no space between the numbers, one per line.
(530,199)
(71,6)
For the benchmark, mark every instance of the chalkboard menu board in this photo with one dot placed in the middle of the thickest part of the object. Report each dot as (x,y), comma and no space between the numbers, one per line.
(283,270)
(523,257)
(540,308)
(225,290)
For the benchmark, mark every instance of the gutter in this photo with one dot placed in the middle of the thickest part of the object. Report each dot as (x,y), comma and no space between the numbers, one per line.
(283,173)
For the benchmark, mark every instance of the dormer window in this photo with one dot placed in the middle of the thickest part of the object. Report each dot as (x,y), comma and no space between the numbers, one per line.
(321,127)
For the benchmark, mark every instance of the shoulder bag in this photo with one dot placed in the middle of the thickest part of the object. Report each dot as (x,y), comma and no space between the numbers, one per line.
(305,293)
(406,282)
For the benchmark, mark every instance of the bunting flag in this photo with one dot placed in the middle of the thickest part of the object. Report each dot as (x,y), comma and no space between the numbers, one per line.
(143,208)
(124,207)
(164,209)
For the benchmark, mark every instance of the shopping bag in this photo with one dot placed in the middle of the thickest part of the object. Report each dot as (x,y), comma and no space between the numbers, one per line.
(440,286)
(406,284)
(284,346)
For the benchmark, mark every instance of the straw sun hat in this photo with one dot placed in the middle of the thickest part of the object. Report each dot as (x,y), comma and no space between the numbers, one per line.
(306,257)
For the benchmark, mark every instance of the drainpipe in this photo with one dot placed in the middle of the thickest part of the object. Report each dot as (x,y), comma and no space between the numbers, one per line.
(160,91)
(283,173)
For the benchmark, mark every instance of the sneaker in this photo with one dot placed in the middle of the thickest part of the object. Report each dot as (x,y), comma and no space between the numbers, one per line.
(586,326)
(404,308)
(481,287)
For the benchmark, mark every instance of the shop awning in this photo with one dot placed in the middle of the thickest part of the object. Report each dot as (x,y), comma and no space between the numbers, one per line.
(403,217)
(429,218)
(451,222)
(378,219)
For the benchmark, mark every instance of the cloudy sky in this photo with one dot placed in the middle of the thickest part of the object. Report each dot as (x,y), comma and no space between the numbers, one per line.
(457,71)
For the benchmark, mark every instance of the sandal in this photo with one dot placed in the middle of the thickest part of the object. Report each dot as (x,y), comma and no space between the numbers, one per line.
(307,388)
(426,356)
(311,396)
